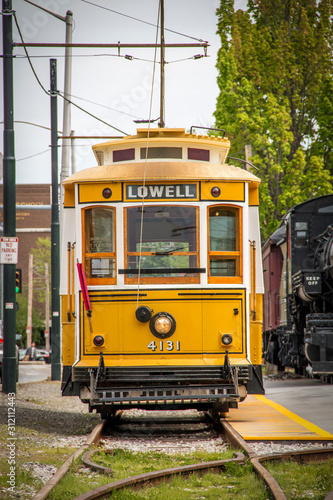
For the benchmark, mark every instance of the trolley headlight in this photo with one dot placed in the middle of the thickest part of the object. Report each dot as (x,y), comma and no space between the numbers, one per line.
(162,325)
(226,339)
(98,340)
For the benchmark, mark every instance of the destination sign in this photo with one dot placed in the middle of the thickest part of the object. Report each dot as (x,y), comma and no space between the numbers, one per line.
(161,191)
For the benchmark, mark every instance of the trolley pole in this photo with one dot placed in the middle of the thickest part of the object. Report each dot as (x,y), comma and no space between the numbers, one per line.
(55,239)
(9,204)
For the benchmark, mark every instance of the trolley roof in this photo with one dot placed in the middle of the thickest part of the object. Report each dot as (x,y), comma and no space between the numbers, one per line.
(163,169)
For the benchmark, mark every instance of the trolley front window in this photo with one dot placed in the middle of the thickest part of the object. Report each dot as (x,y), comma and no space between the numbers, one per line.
(162,244)
(99,245)
(224,244)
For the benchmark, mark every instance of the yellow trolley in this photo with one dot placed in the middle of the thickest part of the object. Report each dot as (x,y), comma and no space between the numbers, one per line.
(161,278)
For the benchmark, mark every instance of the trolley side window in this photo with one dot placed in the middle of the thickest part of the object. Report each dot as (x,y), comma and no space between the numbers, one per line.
(99,245)
(168,239)
(224,253)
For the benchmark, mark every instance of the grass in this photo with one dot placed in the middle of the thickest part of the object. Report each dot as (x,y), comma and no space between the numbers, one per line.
(31,447)
(125,463)
(236,482)
(303,481)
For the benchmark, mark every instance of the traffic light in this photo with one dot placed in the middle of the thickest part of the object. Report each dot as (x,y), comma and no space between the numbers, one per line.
(18,281)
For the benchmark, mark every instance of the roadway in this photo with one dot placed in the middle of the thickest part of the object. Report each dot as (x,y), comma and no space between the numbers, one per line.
(33,371)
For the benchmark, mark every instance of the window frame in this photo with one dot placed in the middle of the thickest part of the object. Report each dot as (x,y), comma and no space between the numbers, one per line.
(162,279)
(99,255)
(236,255)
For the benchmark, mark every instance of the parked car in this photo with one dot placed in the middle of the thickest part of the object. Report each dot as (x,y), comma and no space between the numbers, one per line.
(41,355)
(21,354)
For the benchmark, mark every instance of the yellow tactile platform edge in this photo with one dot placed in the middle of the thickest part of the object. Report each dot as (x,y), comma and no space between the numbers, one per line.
(258,418)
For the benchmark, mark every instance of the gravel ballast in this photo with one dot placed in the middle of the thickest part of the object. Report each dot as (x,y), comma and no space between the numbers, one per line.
(49,427)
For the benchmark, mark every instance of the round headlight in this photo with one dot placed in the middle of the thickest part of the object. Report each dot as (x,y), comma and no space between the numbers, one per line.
(98,340)
(226,339)
(216,191)
(162,325)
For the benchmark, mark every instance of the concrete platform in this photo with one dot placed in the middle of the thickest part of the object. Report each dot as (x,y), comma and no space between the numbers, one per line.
(258,418)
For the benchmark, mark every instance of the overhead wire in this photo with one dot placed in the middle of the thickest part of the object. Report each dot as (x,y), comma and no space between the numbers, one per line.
(126,56)
(59,93)
(91,114)
(33,156)
(142,21)
(104,106)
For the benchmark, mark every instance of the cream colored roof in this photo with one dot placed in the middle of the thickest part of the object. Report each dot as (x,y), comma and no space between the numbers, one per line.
(161,171)
(167,135)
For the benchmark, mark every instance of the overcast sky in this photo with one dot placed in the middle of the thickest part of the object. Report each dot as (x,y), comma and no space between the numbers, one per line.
(119,89)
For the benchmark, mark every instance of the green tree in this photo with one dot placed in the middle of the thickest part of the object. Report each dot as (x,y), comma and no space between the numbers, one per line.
(38,321)
(42,256)
(276,94)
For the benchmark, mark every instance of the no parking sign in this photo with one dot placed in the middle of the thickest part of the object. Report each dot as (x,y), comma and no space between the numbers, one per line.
(9,250)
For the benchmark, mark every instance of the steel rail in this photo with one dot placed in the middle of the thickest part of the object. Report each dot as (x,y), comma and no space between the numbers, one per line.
(93,438)
(155,477)
(318,455)
(158,475)
(238,442)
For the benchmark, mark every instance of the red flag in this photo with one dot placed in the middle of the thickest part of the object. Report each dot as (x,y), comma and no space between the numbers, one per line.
(84,288)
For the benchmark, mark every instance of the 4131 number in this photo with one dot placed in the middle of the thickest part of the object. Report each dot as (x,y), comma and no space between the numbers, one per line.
(167,345)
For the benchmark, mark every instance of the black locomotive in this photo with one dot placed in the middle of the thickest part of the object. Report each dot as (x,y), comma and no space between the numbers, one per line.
(298,299)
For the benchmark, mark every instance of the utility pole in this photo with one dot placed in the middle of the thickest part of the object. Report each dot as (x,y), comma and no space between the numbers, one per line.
(162,117)
(55,237)
(66,128)
(9,204)
(248,154)
(73,161)
(47,308)
(67,87)
(30,295)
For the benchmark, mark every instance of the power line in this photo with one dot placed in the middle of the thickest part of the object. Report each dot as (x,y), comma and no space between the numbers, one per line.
(90,114)
(34,124)
(142,21)
(33,156)
(104,106)
(46,92)
(128,57)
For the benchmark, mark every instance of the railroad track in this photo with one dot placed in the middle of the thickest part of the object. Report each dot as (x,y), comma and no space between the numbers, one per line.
(162,434)
(93,438)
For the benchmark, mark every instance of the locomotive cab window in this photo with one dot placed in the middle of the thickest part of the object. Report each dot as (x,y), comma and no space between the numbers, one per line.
(301,234)
(99,245)
(224,245)
(168,239)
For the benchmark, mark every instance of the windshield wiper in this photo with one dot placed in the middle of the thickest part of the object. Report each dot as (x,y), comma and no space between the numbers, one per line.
(169,252)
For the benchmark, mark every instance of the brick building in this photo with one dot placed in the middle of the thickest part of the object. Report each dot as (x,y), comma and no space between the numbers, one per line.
(33,220)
